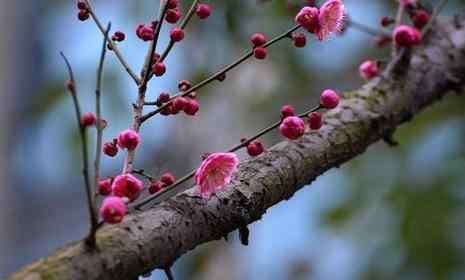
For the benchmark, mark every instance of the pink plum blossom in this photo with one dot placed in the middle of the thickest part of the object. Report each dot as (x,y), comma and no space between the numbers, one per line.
(215,173)
(331,18)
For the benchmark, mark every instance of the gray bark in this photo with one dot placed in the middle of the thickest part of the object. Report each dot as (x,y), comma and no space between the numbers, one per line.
(157,237)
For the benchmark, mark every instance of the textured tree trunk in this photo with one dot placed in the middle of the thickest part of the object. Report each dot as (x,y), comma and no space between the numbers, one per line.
(157,237)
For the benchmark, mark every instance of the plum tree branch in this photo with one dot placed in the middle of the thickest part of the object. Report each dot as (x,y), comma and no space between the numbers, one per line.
(157,237)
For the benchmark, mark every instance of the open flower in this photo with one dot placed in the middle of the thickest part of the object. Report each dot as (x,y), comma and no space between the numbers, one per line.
(215,173)
(323,21)
(331,18)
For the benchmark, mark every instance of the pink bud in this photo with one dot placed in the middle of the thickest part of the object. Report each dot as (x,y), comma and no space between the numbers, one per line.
(203,11)
(420,18)
(118,36)
(173,15)
(81,5)
(329,99)
(156,186)
(258,39)
(177,34)
(385,21)
(292,127)
(192,107)
(255,148)
(159,69)
(146,33)
(162,98)
(167,109)
(180,103)
(83,15)
(167,178)
(369,69)
(88,119)
(260,53)
(287,111)
(104,186)
(299,39)
(408,2)
(127,185)
(315,120)
(128,139)
(110,148)
(407,36)
(113,210)
(172,4)
(184,85)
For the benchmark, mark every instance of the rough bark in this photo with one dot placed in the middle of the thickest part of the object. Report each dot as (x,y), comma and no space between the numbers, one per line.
(159,236)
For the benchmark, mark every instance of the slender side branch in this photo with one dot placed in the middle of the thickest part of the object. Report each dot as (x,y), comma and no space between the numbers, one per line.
(139,105)
(220,73)
(113,46)
(98,125)
(183,25)
(366,29)
(84,149)
(178,186)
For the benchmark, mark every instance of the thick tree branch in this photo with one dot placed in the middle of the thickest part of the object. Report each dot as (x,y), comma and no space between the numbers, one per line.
(159,236)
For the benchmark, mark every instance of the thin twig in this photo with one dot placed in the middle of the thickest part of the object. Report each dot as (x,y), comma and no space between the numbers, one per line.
(218,74)
(84,149)
(178,187)
(366,29)
(112,45)
(437,10)
(183,25)
(98,125)
(139,105)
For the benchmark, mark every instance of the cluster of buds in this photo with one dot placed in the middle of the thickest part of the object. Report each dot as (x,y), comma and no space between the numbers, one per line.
(293,127)
(188,104)
(167,179)
(146,32)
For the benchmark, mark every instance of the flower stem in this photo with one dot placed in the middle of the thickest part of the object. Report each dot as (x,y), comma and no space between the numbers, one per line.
(84,150)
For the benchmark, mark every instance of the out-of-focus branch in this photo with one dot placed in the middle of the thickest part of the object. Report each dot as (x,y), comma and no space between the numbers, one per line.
(71,86)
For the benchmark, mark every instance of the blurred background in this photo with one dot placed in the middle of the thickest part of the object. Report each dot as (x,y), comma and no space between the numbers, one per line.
(392,213)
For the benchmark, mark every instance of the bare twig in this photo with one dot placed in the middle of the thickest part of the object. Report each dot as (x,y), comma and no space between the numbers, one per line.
(366,29)
(112,45)
(183,25)
(220,73)
(98,125)
(139,105)
(84,148)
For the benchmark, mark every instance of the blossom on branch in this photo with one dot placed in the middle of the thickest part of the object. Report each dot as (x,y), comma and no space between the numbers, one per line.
(215,173)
